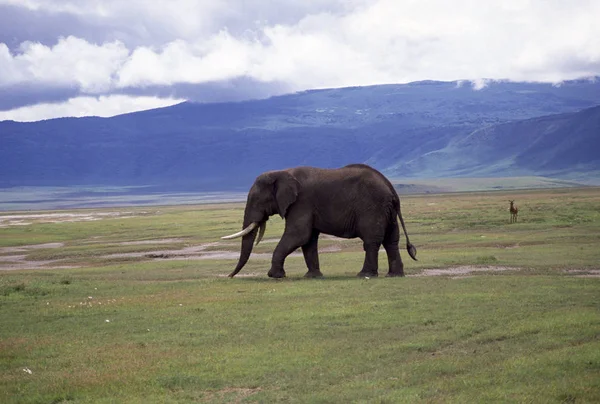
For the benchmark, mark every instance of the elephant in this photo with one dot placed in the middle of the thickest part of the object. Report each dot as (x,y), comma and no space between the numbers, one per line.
(348,202)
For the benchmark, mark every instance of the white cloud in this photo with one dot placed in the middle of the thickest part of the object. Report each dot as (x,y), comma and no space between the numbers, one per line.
(317,44)
(72,61)
(378,42)
(221,57)
(103,106)
(479,84)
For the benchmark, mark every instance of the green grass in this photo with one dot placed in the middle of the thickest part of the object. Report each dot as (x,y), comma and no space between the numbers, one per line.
(178,331)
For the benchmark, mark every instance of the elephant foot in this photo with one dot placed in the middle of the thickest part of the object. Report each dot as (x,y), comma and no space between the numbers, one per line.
(394,274)
(367,274)
(313,274)
(276,274)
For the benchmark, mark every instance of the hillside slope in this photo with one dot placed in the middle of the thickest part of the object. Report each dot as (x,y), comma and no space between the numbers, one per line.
(401,128)
(555,145)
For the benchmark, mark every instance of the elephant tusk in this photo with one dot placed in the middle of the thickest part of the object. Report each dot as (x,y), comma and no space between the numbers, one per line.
(242,233)
(261,232)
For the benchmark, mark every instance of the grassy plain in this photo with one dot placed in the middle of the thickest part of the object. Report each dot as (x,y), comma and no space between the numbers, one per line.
(119,326)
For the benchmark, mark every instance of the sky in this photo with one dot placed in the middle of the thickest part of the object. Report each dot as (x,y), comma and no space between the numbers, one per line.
(106,57)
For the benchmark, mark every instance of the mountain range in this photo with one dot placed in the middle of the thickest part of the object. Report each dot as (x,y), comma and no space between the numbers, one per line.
(425,129)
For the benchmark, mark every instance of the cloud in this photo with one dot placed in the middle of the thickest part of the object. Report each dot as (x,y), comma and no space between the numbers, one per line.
(71,62)
(479,84)
(221,57)
(103,106)
(24,94)
(135,47)
(238,89)
(144,23)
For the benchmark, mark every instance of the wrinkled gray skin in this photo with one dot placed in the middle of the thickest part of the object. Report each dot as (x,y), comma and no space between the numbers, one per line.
(353,201)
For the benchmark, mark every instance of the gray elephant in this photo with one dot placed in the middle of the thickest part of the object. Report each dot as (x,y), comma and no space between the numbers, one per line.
(352,201)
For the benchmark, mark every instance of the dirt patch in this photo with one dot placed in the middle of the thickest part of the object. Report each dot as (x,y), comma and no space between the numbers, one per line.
(27,219)
(244,275)
(231,394)
(15,259)
(192,252)
(228,255)
(465,271)
(461,271)
(23,264)
(199,253)
(25,248)
(157,241)
(584,273)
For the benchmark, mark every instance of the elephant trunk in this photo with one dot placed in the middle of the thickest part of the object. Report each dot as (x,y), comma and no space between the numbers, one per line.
(252,228)
(246,250)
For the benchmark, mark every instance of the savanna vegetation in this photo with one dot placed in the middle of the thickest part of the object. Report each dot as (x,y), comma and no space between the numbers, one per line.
(133,305)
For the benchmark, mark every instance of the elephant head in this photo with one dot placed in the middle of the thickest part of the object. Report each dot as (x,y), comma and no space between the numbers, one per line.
(272,192)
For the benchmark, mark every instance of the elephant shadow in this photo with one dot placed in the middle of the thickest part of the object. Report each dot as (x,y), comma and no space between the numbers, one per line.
(330,278)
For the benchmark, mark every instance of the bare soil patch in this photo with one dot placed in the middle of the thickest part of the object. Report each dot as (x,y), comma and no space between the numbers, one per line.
(157,241)
(30,218)
(14,258)
(461,271)
(584,273)
(186,253)
(244,275)
(24,248)
(232,394)
(200,252)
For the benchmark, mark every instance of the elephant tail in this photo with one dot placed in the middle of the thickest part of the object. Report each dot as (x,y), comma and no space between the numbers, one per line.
(412,250)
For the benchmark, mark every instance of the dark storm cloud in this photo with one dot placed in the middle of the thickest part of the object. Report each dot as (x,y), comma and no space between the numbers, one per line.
(18,25)
(25,94)
(136,27)
(221,91)
(238,89)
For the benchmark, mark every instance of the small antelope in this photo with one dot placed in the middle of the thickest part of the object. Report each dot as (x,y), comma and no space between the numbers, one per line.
(514,211)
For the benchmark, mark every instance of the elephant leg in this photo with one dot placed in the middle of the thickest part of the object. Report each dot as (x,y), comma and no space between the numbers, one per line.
(396,266)
(311,256)
(371,264)
(390,243)
(289,242)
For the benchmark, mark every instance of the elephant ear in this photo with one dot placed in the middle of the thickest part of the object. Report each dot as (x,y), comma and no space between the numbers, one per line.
(286,191)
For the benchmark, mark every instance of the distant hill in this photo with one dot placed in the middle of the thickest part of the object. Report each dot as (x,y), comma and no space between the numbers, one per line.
(423,129)
(562,145)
